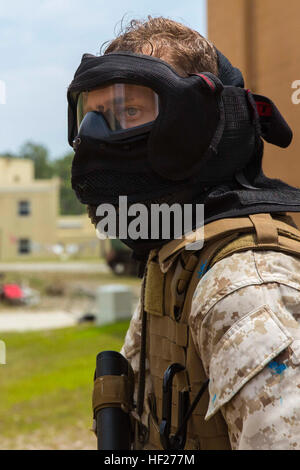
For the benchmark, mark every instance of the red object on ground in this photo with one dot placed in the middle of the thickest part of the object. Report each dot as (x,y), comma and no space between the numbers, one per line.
(12,291)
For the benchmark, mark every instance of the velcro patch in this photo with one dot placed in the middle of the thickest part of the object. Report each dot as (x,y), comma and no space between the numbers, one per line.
(154,290)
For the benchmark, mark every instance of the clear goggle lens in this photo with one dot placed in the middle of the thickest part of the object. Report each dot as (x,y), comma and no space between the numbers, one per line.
(123,105)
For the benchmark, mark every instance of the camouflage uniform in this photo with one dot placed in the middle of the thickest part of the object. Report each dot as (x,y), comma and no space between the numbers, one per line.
(244,321)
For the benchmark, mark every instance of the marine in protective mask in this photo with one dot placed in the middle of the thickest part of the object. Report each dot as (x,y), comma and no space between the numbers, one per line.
(140,129)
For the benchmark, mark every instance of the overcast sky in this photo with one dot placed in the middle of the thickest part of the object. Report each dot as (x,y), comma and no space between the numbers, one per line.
(41,44)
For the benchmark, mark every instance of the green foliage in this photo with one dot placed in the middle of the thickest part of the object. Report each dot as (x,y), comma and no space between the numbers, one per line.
(39,155)
(69,204)
(8,155)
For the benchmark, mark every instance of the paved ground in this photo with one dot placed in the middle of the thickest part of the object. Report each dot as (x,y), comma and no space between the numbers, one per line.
(28,321)
(72,266)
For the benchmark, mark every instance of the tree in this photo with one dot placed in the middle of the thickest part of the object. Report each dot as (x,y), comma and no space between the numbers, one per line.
(69,204)
(8,155)
(43,168)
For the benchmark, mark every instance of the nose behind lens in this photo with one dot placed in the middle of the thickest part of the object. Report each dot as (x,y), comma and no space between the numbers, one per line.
(124,105)
(94,126)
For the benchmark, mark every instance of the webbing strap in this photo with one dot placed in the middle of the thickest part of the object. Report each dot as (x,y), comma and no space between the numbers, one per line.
(211,230)
(248,242)
(112,391)
(168,327)
(167,349)
(265,228)
(224,227)
(142,363)
(160,364)
(267,236)
(180,280)
(206,254)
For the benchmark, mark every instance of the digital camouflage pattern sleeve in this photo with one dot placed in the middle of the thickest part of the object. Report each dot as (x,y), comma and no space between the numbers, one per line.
(244,321)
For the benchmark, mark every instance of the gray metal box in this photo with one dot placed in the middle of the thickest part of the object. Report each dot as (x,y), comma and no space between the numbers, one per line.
(113,303)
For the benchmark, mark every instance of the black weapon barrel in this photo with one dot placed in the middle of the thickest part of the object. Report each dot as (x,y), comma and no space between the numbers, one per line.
(113,424)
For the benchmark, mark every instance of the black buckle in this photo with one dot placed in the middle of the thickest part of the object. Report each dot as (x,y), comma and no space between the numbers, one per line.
(177,441)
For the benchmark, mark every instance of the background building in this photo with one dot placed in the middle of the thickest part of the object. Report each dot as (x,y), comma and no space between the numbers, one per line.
(261,37)
(30,225)
(77,235)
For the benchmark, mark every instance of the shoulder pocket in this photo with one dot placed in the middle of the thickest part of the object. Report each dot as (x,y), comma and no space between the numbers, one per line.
(243,351)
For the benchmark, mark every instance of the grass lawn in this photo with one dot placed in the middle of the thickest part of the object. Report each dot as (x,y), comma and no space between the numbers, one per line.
(46,386)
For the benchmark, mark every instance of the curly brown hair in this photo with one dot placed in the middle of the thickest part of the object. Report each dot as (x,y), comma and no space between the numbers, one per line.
(183,48)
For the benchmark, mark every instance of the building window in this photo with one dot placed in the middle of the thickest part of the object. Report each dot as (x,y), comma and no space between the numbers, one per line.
(24,246)
(24,208)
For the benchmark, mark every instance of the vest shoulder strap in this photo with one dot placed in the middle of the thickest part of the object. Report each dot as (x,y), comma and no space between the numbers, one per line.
(266,234)
(262,223)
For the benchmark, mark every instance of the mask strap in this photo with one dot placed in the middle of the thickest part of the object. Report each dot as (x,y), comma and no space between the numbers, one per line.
(228,74)
(272,125)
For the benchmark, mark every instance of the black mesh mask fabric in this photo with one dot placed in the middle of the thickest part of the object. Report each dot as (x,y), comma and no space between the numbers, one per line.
(183,157)
(142,246)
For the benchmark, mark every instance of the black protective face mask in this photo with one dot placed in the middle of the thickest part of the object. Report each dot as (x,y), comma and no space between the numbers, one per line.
(142,246)
(205,135)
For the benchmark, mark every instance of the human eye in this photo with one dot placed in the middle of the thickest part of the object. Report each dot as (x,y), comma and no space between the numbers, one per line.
(132,111)
(129,112)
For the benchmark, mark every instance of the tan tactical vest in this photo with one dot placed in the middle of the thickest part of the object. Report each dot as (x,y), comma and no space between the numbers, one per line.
(167,302)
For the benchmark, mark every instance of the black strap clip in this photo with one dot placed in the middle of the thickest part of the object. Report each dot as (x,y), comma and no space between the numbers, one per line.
(176,441)
(168,442)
